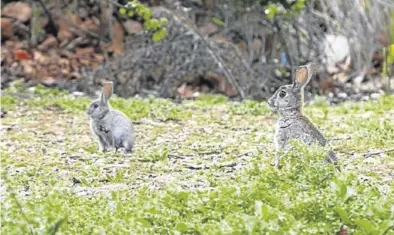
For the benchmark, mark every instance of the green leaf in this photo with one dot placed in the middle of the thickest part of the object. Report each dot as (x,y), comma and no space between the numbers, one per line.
(56,226)
(122,11)
(130,13)
(152,24)
(390,56)
(160,34)
(298,6)
(265,210)
(217,21)
(343,214)
(271,11)
(181,227)
(119,207)
(366,225)
(147,14)
(183,195)
(386,225)
(163,21)
(144,222)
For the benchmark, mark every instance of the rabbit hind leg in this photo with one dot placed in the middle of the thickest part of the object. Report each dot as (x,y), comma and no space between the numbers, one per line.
(128,144)
(117,143)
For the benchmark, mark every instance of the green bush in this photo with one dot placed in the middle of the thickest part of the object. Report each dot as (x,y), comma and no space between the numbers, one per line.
(157,26)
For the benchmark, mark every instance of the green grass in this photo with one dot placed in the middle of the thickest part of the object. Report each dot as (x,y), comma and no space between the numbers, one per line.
(200,167)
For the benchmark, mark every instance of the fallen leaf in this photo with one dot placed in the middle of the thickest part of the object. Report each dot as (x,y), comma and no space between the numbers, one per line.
(39,57)
(84,51)
(222,84)
(21,55)
(89,25)
(49,42)
(28,68)
(243,48)
(185,91)
(75,19)
(7,28)
(64,33)
(117,38)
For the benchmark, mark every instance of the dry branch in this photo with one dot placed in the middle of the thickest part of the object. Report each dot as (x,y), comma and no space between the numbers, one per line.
(366,155)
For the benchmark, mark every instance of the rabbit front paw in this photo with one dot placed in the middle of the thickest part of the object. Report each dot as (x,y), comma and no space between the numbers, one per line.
(276,161)
(102,149)
(102,146)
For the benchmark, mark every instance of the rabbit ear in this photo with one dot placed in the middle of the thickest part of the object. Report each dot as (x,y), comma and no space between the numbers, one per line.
(303,75)
(106,93)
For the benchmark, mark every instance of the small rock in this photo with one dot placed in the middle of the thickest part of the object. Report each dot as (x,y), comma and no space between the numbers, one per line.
(364,98)
(196,94)
(5,128)
(375,96)
(48,80)
(2,113)
(77,94)
(209,29)
(342,95)
(18,10)
(367,86)
(133,26)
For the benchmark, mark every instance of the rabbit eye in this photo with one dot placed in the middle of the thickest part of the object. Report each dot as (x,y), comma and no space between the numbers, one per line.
(95,105)
(282,94)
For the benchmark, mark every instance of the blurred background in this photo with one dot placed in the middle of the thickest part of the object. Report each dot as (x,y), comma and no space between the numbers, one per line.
(242,49)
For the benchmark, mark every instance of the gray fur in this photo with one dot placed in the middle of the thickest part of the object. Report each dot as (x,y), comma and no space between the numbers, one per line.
(112,127)
(292,124)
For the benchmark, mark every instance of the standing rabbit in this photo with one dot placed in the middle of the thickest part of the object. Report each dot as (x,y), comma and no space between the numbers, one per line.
(112,127)
(288,101)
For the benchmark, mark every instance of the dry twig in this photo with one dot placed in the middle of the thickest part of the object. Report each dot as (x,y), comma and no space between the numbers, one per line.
(366,155)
